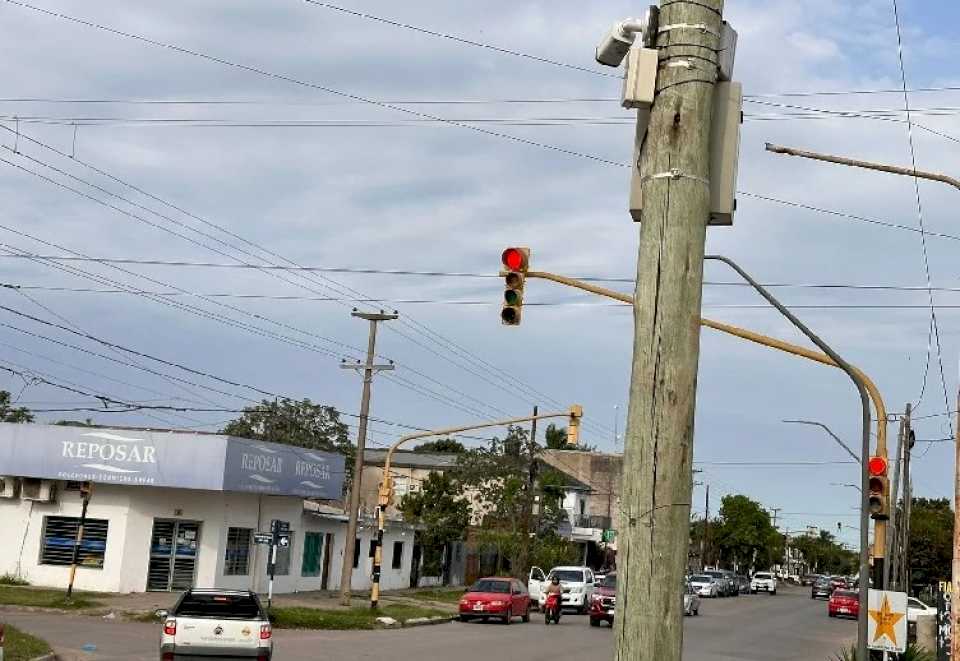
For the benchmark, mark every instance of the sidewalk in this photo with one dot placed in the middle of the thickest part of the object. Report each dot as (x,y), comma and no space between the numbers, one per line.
(143,603)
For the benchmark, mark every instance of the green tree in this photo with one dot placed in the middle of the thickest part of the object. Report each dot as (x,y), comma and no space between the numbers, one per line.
(744,536)
(76,423)
(9,413)
(508,480)
(441,446)
(824,555)
(931,540)
(443,512)
(556,439)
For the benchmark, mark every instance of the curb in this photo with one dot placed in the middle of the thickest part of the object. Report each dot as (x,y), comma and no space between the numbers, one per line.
(428,621)
(46,657)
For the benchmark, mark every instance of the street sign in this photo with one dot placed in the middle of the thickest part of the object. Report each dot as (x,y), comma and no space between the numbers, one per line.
(277,526)
(262,538)
(887,620)
(283,541)
(608,536)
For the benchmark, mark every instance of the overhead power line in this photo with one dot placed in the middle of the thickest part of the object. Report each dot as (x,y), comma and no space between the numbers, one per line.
(303,83)
(462,40)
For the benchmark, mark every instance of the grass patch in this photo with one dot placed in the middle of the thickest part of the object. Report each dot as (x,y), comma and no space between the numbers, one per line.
(20,646)
(354,618)
(13,579)
(12,595)
(142,616)
(447,596)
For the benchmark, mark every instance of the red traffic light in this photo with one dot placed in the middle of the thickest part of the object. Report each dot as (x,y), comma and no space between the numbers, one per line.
(877,466)
(514,259)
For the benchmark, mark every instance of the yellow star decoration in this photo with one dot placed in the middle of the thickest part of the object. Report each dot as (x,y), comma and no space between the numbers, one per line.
(886,620)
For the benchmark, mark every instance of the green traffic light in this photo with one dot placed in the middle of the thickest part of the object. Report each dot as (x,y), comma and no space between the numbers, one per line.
(511,297)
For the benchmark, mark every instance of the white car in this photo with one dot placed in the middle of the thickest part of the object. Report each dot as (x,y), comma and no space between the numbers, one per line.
(577,583)
(216,623)
(763,581)
(916,607)
(705,585)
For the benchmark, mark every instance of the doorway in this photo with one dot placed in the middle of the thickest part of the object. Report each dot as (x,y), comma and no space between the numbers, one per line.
(174,546)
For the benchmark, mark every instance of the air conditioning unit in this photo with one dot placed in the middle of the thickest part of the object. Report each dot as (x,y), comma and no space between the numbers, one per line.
(8,486)
(44,491)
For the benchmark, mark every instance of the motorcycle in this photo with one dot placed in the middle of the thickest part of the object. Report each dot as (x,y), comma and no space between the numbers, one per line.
(551,609)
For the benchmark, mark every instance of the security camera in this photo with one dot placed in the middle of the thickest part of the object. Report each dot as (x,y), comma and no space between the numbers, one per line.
(616,44)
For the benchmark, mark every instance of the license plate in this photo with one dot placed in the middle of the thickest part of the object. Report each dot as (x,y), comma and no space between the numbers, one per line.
(610,611)
(478,607)
(843,610)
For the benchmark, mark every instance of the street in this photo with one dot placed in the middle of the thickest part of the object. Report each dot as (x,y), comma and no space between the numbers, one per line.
(786,627)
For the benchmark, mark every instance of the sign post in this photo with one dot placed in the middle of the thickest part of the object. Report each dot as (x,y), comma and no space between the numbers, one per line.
(279,537)
(887,620)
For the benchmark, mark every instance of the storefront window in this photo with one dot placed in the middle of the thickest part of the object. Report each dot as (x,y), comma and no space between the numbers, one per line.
(60,535)
(236,558)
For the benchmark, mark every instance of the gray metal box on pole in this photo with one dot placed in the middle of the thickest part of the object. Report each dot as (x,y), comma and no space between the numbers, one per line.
(724,155)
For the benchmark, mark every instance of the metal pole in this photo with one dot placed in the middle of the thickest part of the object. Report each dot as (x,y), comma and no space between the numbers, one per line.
(346,571)
(907,505)
(868,165)
(273,570)
(857,379)
(87,491)
(893,552)
(839,441)
(955,592)
(386,486)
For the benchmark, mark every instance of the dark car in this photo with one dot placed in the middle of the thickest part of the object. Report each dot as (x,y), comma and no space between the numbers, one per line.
(808,579)
(839,583)
(604,601)
(821,588)
(743,584)
(501,598)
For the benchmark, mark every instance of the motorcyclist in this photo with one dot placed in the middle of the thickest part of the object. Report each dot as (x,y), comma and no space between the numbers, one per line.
(555,588)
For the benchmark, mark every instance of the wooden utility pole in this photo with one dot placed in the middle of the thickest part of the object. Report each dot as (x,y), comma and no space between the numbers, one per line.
(369,368)
(658,452)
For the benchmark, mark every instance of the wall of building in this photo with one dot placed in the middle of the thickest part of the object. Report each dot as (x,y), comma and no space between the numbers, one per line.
(131,511)
(601,472)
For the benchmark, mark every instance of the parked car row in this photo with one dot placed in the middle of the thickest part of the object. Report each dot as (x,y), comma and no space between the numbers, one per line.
(713,583)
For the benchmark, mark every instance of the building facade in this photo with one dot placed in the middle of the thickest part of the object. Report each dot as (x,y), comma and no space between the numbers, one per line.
(156,523)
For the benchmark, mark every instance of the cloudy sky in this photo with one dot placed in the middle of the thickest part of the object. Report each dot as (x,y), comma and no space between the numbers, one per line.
(269,154)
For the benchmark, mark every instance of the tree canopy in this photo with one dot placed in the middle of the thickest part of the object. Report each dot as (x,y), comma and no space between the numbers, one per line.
(10,413)
(824,555)
(441,446)
(440,507)
(556,439)
(300,423)
(931,540)
(744,536)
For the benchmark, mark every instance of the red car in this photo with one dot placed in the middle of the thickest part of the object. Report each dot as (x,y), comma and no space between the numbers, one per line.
(502,598)
(604,601)
(844,603)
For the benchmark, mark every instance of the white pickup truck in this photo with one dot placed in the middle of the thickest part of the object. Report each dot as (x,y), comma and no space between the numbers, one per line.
(228,623)
(763,581)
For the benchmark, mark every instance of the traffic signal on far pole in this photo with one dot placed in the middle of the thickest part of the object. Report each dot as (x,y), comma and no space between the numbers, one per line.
(515,261)
(879,488)
(573,424)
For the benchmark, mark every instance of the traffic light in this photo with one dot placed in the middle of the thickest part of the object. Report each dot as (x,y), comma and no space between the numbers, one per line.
(879,488)
(516,262)
(573,424)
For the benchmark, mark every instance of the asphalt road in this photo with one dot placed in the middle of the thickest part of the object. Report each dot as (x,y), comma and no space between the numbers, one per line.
(787,627)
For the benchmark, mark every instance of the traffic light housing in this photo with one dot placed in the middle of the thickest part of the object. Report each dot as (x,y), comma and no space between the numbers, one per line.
(573,424)
(879,496)
(515,262)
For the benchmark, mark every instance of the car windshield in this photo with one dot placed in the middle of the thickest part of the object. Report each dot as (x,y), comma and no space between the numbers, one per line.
(844,593)
(762,575)
(701,578)
(715,574)
(568,575)
(220,606)
(501,587)
(609,581)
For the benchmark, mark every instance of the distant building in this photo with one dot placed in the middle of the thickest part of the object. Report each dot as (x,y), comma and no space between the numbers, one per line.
(172,510)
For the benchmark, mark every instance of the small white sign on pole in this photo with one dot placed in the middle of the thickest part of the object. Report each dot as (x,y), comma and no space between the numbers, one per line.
(887,620)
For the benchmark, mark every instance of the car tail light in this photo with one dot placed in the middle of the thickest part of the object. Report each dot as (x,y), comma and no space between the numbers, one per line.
(265,631)
(170,627)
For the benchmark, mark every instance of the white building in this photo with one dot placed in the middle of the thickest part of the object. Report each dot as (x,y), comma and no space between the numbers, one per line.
(171,510)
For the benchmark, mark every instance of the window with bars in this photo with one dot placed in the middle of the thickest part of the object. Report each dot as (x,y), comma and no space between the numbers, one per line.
(236,558)
(59,538)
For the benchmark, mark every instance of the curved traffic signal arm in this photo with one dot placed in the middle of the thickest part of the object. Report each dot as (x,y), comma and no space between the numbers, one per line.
(516,261)
(879,488)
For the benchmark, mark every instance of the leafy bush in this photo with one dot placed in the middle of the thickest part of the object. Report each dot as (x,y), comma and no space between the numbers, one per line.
(13,579)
